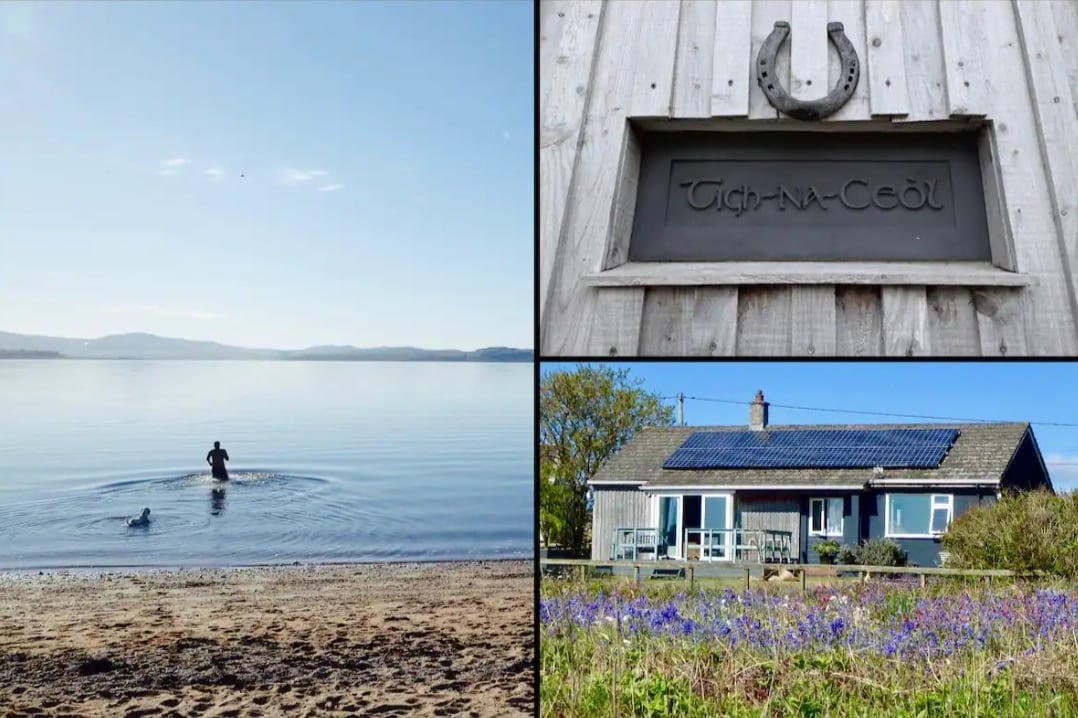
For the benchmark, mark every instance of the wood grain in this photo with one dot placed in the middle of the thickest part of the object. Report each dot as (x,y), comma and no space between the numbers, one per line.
(567,44)
(732,57)
(967,55)
(905,318)
(885,64)
(695,59)
(859,322)
(922,53)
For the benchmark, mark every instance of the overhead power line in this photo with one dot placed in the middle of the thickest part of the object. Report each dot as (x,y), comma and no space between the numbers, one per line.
(870,413)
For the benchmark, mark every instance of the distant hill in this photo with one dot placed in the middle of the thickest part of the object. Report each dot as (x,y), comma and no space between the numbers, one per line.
(150,346)
(28,354)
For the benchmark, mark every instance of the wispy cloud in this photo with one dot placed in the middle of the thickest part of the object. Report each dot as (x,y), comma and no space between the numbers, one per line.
(172,166)
(330,187)
(291,176)
(154,310)
(214,173)
(1064,471)
(505,134)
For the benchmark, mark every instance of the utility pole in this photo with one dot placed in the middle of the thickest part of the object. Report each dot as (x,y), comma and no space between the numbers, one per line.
(680,409)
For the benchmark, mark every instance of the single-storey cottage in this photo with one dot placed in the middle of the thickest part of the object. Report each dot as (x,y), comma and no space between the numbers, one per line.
(770,493)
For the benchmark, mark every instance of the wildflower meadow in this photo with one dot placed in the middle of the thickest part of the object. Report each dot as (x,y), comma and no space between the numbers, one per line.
(886,648)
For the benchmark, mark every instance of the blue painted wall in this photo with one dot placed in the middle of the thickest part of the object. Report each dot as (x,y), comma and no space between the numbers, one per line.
(921,552)
(863,518)
(851,524)
(1025,471)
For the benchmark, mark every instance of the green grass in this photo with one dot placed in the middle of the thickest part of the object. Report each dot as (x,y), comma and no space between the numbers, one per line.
(600,670)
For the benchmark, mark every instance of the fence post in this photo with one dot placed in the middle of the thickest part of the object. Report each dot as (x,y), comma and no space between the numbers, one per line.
(583,573)
(636,574)
(747,586)
(804,580)
(690,578)
(922,580)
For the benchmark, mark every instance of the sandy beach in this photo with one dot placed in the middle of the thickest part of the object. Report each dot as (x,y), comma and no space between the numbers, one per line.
(438,639)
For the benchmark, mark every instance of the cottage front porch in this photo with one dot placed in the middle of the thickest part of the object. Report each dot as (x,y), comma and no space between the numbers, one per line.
(705,544)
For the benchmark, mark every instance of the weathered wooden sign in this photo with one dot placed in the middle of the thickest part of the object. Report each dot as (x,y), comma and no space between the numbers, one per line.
(809,196)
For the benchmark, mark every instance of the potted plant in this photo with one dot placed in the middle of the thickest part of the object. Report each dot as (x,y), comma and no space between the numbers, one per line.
(827,550)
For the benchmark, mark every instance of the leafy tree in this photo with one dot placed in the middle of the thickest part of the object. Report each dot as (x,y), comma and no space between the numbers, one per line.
(585,415)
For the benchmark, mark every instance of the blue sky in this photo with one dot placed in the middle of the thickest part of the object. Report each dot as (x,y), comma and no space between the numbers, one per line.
(1003,391)
(387,154)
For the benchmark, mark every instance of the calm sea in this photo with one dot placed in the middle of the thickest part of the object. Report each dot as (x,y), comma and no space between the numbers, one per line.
(330,461)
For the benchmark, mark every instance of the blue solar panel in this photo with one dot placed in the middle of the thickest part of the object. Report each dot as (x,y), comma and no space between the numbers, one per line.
(814,448)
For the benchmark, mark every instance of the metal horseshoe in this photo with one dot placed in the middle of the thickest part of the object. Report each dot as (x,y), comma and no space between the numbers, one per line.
(781,100)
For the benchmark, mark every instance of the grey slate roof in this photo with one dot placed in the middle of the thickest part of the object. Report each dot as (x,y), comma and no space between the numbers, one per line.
(980,453)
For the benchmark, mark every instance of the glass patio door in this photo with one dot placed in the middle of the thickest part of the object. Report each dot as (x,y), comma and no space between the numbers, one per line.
(716,515)
(669,527)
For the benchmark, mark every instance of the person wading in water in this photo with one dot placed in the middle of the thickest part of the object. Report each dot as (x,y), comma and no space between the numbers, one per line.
(216,459)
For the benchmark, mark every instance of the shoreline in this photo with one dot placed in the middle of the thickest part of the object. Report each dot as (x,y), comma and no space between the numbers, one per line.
(437,638)
(94,570)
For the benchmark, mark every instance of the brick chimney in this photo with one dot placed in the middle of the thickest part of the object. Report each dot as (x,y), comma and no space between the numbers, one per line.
(758,413)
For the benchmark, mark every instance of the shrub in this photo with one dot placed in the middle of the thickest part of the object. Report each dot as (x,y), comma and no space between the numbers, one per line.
(881,552)
(1033,531)
(846,554)
(826,550)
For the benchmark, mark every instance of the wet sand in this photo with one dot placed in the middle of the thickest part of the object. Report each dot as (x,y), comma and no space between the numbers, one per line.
(446,639)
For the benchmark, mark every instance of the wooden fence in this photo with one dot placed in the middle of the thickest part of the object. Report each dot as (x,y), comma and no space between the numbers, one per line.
(863,572)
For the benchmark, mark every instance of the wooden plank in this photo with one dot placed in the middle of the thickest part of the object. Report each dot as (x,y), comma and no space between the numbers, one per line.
(666,326)
(851,14)
(980,274)
(1058,127)
(952,322)
(885,66)
(1066,14)
(695,59)
(1001,322)
(905,312)
(809,49)
(551,22)
(746,125)
(616,251)
(732,58)
(1048,306)
(1000,238)
(813,320)
(567,42)
(922,53)
(566,323)
(714,321)
(616,327)
(858,322)
(765,13)
(967,56)
(820,569)
(763,321)
(653,86)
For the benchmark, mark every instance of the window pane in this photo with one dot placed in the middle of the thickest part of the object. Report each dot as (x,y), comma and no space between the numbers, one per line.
(909,513)
(942,501)
(834,516)
(668,528)
(816,523)
(939,520)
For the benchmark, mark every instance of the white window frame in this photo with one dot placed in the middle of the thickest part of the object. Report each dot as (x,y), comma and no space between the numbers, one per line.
(680,494)
(935,501)
(822,530)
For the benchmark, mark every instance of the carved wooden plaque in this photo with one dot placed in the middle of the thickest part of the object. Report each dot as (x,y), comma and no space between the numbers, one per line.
(713,196)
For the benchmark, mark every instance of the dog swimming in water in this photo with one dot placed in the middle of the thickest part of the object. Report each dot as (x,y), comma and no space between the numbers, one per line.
(143,520)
